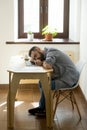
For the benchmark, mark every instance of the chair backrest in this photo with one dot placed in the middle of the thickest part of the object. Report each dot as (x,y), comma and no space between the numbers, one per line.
(80,65)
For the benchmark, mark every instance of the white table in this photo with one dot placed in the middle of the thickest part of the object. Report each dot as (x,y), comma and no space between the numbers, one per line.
(31,72)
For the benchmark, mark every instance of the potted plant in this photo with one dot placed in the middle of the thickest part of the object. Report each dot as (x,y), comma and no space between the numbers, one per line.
(30,35)
(49,33)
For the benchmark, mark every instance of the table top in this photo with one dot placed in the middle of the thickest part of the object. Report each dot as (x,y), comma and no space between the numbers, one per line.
(17,64)
(29,69)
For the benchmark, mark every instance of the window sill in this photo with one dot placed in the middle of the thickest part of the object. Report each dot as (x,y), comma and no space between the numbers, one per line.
(42,41)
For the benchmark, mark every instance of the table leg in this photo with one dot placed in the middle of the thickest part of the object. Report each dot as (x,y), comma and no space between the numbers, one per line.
(11,99)
(48,99)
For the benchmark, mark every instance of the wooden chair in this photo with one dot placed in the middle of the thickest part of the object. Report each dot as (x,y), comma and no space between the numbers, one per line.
(68,93)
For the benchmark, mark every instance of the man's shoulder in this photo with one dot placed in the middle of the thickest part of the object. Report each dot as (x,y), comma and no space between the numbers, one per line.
(51,49)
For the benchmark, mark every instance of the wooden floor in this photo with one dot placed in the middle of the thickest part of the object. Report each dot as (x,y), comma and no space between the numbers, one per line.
(65,118)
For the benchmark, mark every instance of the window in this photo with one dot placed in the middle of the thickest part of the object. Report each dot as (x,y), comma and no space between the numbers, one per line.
(33,15)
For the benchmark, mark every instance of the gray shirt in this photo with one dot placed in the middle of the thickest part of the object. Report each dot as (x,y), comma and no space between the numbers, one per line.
(63,67)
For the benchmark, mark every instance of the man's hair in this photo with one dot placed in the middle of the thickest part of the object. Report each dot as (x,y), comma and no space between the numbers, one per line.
(32,49)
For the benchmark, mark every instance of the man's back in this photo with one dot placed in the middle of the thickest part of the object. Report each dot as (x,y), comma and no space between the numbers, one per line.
(64,68)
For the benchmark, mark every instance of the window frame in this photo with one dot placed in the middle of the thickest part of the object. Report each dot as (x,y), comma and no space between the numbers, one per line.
(21,33)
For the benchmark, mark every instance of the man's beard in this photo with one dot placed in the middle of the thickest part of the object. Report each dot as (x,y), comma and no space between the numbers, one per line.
(42,57)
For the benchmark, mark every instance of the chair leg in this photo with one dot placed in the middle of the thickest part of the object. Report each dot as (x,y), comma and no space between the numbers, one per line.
(57,96)
(71,99)
(76,106)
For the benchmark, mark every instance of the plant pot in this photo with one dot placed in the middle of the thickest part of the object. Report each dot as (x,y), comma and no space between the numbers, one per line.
(48,37)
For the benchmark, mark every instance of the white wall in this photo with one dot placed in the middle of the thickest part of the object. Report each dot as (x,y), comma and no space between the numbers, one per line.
(83,45)
(78,32)
(8,27)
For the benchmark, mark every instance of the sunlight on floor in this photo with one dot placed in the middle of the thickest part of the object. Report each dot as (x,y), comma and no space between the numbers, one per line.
(2,104)
(17,103)
(35,104)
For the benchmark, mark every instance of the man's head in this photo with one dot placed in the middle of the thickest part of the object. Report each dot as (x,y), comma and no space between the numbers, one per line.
(36,53)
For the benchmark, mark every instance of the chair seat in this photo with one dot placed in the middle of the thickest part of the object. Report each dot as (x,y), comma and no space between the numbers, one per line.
(70,88)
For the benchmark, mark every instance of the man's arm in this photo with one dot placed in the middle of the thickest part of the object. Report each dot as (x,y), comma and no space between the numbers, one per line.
(46,65)
(42,63)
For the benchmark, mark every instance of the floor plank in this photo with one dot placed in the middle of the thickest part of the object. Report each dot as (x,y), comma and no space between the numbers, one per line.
(65,118)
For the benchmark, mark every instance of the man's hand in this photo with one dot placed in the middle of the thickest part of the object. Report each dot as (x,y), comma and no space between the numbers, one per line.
(38,62)
(46,65)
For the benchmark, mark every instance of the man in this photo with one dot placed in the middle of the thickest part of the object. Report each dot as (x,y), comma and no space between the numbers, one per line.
(64,72)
